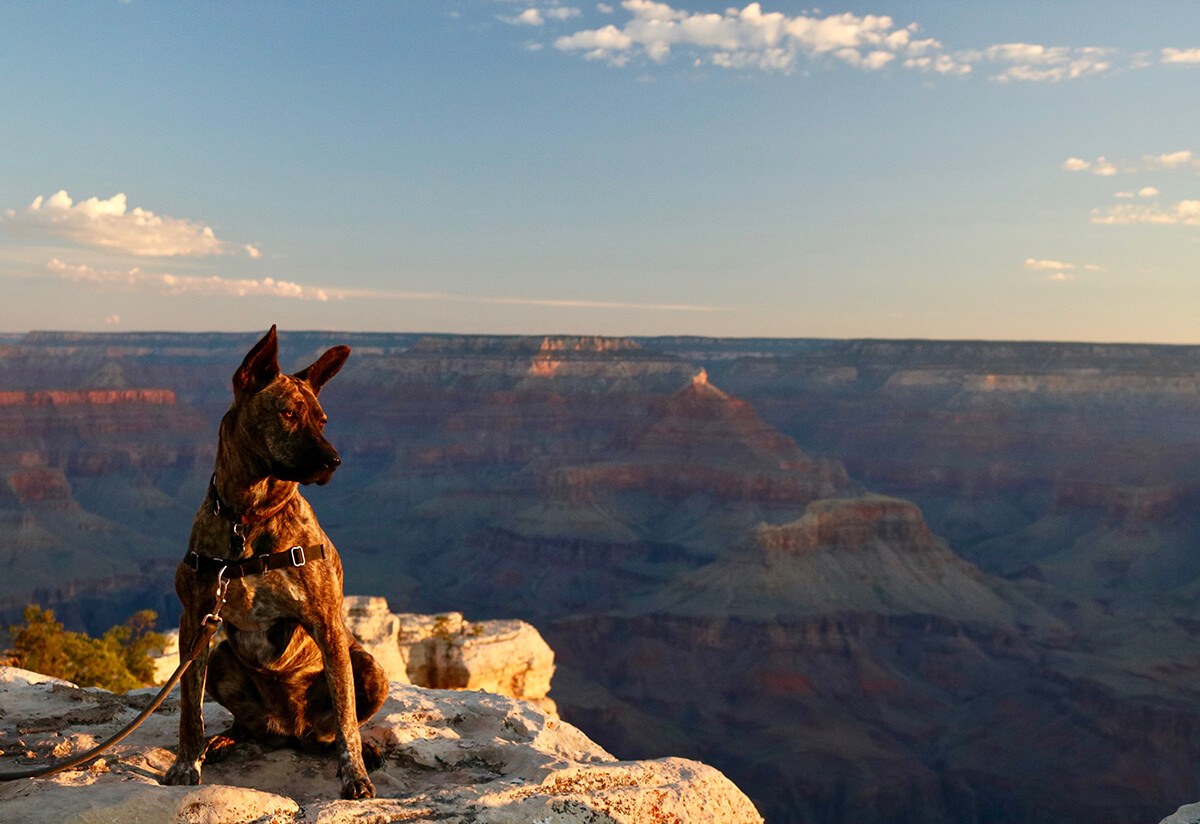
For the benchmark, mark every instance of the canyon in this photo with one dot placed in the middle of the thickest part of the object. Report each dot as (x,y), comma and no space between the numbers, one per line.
(909,582)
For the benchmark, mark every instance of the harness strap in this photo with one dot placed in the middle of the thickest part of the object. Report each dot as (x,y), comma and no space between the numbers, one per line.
(297,556)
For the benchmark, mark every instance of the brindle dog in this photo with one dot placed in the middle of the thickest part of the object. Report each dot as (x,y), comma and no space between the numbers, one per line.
(288,667)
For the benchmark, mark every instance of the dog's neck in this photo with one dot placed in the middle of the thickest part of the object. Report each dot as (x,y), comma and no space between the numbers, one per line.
(250,498)
(244,484)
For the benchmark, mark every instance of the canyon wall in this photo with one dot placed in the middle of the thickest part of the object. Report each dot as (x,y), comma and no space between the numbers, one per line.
(895,581)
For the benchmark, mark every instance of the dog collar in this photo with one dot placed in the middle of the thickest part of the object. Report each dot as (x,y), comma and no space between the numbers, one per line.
(243,519)
(297,556)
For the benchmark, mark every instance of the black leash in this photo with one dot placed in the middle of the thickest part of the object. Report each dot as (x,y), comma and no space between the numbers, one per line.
(208,628)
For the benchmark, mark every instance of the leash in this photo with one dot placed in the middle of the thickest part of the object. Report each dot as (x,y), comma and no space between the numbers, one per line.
(208,628)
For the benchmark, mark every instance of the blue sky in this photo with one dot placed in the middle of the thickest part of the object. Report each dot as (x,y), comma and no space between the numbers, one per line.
(1018,170)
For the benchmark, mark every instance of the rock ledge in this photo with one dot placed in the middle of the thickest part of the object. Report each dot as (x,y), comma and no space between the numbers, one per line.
(450,756)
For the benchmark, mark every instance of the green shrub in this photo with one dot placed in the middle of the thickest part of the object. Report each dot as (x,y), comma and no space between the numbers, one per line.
(117,661)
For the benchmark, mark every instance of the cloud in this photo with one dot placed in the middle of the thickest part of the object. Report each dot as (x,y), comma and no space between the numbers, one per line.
(1181,55)
(169,284)
(774,41)
(1061,276)
(1032,263)
(1034,62)
(111,226)
(1091,267)
(1185,213)
(1147,163)
(1147,191)
(750,38)
(534,16)
(1172,160)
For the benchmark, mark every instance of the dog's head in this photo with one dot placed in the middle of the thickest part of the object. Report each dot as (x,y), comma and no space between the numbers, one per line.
(279,415)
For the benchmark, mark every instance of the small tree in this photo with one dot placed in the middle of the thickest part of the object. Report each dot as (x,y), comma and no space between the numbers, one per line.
(117,661)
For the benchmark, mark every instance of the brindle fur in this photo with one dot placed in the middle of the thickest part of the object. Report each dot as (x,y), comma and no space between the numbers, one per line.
(288,667)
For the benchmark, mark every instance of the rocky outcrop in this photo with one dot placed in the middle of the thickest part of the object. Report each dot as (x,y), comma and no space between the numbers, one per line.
(506,657)
(455,757)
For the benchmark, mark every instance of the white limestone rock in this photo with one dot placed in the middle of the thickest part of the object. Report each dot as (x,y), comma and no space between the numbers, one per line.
(449,756)
(1187,814)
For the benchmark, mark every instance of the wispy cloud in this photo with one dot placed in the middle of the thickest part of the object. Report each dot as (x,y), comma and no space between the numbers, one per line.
(774,41)
(171,284)
(1183,159)
(1185,213)
(111,226)
(1033,263)
(1181,55)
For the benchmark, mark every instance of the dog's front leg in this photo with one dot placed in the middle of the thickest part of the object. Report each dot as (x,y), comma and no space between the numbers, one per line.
(186,769)
(330,634)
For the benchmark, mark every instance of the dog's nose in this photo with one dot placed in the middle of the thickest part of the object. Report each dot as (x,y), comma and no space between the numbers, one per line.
(333,462)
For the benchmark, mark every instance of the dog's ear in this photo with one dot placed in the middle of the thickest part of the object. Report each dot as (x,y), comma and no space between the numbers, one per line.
(323,368)
(260,367)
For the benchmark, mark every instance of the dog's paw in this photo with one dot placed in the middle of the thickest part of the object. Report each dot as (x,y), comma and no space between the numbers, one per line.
(360,787)
(372,756)
(219,748)
(183,773)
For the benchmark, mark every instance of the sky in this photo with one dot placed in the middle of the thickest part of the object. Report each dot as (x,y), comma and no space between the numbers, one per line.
(1014,170)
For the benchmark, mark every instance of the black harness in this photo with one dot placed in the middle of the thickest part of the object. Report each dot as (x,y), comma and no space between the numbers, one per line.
(235,567)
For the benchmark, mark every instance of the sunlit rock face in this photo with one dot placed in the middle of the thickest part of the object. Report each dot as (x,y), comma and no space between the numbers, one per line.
(506,657)
(447,757)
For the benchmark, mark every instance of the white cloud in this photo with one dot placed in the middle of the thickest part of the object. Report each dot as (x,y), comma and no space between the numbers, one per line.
(562,12)
(169,284)
(111,226)
(774,41)
(1103,166)
(1147,191)
(1124,194)
(1034,62)
(529,17)
(1033,263)
(1185,213)
(1061,276)
(1172,160)
(1091,267)
(752,37)
(1181,55)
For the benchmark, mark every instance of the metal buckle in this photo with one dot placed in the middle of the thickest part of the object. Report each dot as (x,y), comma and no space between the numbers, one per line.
(297,561)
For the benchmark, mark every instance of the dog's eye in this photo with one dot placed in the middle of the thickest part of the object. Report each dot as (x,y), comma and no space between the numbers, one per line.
(289,414)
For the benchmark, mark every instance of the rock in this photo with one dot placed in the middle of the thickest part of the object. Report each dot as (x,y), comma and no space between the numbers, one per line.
(1187,814)
(378,630)
(448,757)
(506,657)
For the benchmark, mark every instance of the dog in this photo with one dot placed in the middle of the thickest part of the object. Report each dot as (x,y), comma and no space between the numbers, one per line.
(287,667)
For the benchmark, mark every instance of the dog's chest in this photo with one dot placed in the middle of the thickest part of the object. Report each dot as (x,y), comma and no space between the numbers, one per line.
(255,603)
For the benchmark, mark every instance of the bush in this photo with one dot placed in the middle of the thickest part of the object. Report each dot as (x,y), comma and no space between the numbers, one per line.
(118,661)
